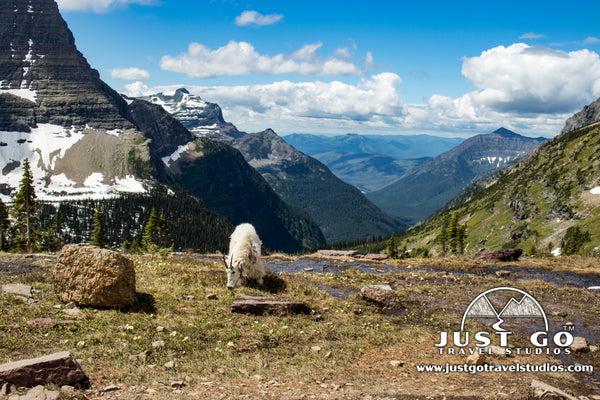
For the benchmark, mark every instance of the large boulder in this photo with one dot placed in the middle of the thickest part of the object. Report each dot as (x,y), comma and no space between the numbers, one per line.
(382,296)
(500,255)
(90,276)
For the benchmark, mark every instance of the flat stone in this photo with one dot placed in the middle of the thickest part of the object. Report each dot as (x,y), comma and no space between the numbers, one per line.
(158,343)
(579,345)
(594,289)
(177,384)
(377,257)
(396,363)
(315,349)
(58,368)
(594,348)
(111,388)
(211,296)
(18,289)
(541,390)
(169,364)
(264,306)
(338,253)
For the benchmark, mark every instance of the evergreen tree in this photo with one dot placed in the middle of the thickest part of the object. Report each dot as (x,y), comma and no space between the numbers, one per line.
(99,231)
(24,210)
(453,233)
(150,237)
(461,235)
(164,234)
(392,249)
(443,238)
(4,225)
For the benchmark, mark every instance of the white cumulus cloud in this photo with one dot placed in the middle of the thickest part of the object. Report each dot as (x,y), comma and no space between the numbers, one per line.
(130,74)
(253,18)
(241,58)
(526,79)
(98,5)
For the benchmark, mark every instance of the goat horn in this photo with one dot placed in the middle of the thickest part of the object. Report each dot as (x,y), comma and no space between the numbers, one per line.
(223,257)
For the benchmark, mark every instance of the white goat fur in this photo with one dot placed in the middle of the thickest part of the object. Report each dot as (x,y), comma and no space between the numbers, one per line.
(243,259)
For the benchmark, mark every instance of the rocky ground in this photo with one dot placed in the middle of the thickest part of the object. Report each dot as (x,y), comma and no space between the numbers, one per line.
(181,339)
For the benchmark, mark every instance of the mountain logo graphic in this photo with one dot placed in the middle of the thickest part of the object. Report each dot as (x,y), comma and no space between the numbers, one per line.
(525,307)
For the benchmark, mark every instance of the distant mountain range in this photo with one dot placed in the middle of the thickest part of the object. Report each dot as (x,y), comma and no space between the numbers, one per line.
(431,184)
(371,162)
(84,140)
(341,211)
(533,204)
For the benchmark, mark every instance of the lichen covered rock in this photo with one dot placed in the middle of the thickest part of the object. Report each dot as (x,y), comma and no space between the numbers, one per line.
(90,276)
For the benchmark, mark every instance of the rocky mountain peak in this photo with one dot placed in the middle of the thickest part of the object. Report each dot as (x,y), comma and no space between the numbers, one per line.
(588,116)
(203,119)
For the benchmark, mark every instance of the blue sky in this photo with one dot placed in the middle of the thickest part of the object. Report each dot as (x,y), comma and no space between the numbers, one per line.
(449,68)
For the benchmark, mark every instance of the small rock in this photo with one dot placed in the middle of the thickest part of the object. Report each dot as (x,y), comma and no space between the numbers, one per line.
(158,343)
(502,273)
(559,314)
(177,384)
(211,296)
(18,289)
(594,348)
(328,354)
(188,378)
(70,305)
(190,297)
(52,395)
(496,351)
(257,377)
(221,370)
(111,388)
(67,389)
(5,390)
(579,345)
(315,349)
(595,289)
(160,328)
(541,390)
(169,364)
(140,357)
(74,313)
(476,359)
(243,371)
(381,295)
(396,363)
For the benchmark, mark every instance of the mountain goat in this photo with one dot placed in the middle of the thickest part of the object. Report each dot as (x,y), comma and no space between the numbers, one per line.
(243,259)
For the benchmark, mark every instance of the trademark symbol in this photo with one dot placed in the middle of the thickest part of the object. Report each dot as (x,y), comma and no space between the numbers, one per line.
(569,328)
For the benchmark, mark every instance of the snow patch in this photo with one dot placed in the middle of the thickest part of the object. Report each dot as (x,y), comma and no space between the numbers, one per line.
(94,180)
(595,190)
(556,252)
(175,156)
(114,132)
(27,94)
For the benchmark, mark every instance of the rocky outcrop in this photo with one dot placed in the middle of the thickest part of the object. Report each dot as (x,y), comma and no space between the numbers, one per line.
(500,255)
(58,369)
(90,276)
(588,116)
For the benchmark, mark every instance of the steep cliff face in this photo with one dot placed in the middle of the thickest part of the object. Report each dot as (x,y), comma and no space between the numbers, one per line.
(39,62)
(588,116)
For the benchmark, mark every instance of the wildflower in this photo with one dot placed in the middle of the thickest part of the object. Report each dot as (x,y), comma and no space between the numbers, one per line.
(137,338)
(80,343)
(185,339)
(174,333)
(129,327)
(230,344)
